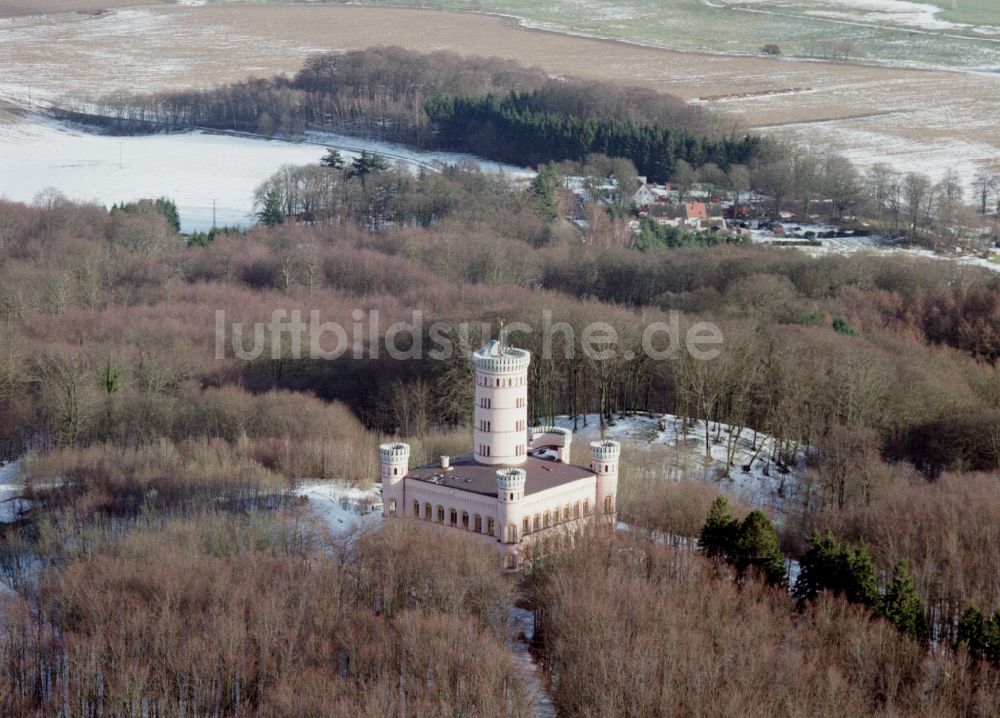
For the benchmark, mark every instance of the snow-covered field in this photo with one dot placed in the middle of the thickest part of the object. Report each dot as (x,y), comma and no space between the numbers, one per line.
(753,477)
(874,12)
(342,507)
(192,168)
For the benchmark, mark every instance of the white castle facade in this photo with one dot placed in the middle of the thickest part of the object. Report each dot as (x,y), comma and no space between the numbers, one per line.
(516,489)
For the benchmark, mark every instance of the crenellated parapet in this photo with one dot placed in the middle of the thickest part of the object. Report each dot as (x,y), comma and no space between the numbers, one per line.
(497,359)
(606,450)
(557,436)
(394,453)
(511,481)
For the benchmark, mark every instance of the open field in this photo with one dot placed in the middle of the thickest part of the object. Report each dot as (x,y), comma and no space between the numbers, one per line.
(916,119)
(972,11)
(962,34)
(19,8)
(886,31)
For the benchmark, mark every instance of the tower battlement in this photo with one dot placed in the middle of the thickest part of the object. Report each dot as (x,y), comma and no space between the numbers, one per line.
(605,450)
(394,453)
(511,479)
(494,358)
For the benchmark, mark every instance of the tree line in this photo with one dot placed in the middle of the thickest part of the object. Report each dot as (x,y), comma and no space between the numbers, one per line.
(495,108)
(517,128)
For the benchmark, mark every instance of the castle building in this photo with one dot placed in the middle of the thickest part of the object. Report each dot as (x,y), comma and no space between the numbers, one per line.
(516,489)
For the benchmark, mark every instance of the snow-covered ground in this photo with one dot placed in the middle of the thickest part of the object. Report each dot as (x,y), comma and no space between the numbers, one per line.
(795,232)
(342,506)
(11,489)
(194,169)
(753,477)
(894,12)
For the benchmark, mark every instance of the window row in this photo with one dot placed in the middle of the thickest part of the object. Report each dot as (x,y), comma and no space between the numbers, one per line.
(485,425)
(556,516)
(454,518)
(549,545)
(503,381)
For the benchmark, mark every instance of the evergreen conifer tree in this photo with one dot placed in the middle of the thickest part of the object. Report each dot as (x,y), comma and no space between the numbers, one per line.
(829,565)
(272,212)
(368,163)
(757,546)
(860,582)
(718,534)
(168,208)
(972,632)
(991,639)
(818,566)
(902,606)
(333,160)
(545,188)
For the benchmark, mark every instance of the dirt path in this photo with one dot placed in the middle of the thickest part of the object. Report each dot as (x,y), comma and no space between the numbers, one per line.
(532,675)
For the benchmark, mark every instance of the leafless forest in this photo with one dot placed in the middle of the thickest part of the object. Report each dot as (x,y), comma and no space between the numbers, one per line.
(158,474)
(162,565)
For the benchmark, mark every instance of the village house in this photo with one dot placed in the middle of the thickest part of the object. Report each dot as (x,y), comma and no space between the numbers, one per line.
(649,194)
(695,216)
(516,490)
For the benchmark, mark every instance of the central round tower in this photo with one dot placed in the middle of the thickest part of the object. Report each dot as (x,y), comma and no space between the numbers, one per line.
(501,410)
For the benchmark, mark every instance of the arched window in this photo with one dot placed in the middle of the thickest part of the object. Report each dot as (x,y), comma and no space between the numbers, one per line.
(555,515)
(607,504)
(490,526)
(525,528)
(465,520)
(537,523)
(510,533)
(511,561)
(453,515)
(477,524)
(392,507)
(576,510)
(428,512)
(586,507)
(440,514)
(416,509)
(566,515)
(545,520)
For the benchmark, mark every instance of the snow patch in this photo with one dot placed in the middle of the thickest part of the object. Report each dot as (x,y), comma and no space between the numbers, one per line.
(194,168)
(11,491)
(343,506)
(741,464)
